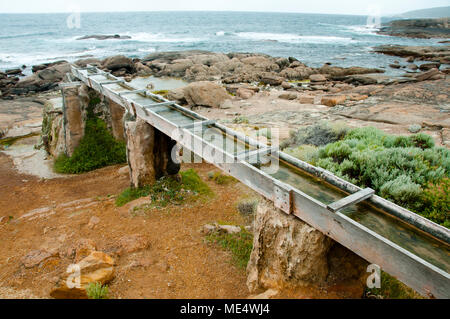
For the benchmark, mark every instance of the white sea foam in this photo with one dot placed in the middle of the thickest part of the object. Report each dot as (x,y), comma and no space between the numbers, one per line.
(293,38)
(220,33)
(159,37)
(362,29)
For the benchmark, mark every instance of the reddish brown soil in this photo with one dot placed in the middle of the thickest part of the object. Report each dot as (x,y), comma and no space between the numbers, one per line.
(178,263)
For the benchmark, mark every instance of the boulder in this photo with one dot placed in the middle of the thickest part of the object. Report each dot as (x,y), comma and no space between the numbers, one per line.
(426,75)
(333,100)
(287,85)
(54,73)
(335,71)
(317,78)
(13,71)
(205,93)
(176,95)
(288,96)
(298,73)
(142,69)
(82,63)
(429,66)
(209,59)
(177,68)
(98,267)
(40,67)
(271,79)
(118,62)
(167,57)
(306,99)
(244,93)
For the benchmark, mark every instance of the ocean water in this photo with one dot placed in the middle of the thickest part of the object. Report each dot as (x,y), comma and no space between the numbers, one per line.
(28,39)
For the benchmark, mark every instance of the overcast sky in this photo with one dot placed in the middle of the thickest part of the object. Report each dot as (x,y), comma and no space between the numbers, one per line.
(362,7)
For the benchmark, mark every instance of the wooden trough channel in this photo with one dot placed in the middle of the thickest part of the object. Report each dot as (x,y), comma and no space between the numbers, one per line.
(409,247)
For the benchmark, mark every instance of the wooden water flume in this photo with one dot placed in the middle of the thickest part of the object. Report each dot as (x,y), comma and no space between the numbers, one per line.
(425,268)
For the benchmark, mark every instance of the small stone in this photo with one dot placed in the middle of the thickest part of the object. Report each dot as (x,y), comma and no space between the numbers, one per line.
(208,229)
(415,128)
(230,229)
(93,222)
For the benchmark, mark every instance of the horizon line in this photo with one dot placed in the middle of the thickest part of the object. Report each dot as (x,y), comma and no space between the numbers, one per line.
(237,11)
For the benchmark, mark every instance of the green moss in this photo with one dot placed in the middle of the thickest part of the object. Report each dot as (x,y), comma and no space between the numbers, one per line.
(221,179)
(97,149)
(168,190)
(240,245)
(391,288)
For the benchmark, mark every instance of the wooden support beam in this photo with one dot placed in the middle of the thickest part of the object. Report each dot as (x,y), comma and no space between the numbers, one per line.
(351,200)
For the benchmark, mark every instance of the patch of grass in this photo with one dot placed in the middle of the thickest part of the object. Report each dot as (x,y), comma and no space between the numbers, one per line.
(97,149)
(168,190)
(247,207)
(221,179)
(97,291)
(240,245)
(391,288)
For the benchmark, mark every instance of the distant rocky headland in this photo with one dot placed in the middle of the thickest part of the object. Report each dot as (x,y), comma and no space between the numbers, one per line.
(418,28)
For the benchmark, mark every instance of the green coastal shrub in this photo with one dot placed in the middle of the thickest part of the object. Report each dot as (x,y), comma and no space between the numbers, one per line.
(97,149)
(409,171)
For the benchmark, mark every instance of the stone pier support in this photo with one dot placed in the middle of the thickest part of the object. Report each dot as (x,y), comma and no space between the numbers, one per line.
(75,101)
(117,124)
(288,254)
(149,153)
